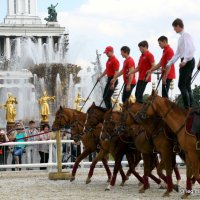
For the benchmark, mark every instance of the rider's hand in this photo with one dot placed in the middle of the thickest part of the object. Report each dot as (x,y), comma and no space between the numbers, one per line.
(99,77)
(182,64)
(112,87)
(128,87)
(112,81)
(198,66)
(164,78)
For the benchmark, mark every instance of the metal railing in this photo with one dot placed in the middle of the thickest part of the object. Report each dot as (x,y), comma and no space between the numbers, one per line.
(52,164)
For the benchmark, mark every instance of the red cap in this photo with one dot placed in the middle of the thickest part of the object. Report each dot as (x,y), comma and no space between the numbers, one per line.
(108,49)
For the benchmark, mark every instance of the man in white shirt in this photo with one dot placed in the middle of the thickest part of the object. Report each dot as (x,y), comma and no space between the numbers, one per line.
(185,51)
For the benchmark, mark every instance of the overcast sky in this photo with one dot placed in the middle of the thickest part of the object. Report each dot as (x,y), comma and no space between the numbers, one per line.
(94,24)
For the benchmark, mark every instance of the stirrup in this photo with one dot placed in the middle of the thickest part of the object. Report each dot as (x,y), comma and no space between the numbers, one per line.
(176,149)
(197,145)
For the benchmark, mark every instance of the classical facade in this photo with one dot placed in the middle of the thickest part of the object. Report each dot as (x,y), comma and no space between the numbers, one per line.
(21,21)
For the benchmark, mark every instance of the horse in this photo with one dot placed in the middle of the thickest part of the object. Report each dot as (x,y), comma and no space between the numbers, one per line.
(175,118)
(157,135)
(90,142)
(64,117)
(121,147)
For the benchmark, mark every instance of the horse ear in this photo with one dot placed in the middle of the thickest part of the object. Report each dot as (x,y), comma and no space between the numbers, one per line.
(93,104)
(61,107)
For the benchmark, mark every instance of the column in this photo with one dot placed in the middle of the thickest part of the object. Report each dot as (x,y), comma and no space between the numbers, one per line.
(18,47)
(25,6)
(8,48)
(40,49)
(50,49)
(18,3)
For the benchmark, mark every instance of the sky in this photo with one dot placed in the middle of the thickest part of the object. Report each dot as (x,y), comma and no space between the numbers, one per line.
(95,24)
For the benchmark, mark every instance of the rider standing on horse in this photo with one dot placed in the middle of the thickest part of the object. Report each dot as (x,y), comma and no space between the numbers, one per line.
(129,80)
(169,74)
(112,68)
(145,63)
(185,51)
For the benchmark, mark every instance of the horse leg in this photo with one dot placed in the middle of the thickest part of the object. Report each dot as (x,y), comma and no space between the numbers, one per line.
(105,163)
(166,156)
(83,155)
(100,156)
(146,173)
(153,162)
(133,163)
(188,182)
(117,166)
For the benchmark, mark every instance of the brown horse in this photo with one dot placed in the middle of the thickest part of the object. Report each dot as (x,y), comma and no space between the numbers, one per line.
(120,147)
(90,142)
(63,117)
(175,117)
(156,136)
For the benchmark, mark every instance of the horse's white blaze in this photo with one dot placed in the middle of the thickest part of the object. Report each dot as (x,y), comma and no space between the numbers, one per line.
(85,122)
(101,130)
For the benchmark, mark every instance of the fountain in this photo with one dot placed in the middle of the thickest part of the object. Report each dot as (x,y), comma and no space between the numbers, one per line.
(40,67)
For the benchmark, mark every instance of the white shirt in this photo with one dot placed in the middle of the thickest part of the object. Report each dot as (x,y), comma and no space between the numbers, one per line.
(184,50)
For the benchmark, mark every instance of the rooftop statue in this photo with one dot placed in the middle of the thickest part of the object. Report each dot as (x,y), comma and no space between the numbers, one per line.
(52,14)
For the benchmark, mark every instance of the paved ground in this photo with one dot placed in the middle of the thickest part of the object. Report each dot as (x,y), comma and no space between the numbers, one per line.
(34,185)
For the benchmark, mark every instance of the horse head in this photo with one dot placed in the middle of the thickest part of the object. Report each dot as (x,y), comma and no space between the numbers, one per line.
(95,115)
(62,118)
(108,129)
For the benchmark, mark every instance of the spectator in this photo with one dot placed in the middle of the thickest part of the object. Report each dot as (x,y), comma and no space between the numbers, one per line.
(31,150)
(44,148)
(4,151)
(19,149)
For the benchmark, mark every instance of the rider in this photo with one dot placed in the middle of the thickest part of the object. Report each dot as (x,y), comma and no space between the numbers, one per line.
(185,51)
(129,79)
(145,63)
(169,74)
(112,68)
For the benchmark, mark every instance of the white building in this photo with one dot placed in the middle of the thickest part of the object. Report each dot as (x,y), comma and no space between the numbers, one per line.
(22,20)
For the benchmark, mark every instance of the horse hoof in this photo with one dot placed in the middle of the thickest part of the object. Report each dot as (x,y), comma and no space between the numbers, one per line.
(108,188)
(166,194)
(176,188)
(142,190)
(140,184)
(88,181)
(122,183)
(185,196)
(72,178)
(109,179)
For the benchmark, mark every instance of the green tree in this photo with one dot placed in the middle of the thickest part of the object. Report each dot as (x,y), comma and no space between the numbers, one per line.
(196,95)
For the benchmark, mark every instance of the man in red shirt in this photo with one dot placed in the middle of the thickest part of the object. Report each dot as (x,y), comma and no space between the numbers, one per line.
(169,73)
(145,63)
(129,80)
(112,68)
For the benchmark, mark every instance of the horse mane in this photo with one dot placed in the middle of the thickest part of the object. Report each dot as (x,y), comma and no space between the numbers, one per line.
(176,107)
(99,108)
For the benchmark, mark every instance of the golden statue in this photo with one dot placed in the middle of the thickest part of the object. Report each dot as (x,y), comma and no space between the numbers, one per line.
(43,101)
(132,99)
(10,108)
(118,106)
(78,100)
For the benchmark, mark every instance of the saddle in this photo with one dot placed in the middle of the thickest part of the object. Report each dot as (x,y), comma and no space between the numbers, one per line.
(193,122)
